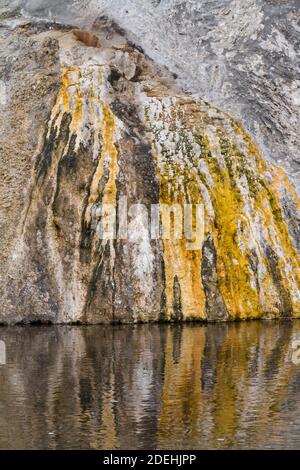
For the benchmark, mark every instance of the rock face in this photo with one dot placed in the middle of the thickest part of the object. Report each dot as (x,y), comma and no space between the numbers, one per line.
(90,123)
(239,55)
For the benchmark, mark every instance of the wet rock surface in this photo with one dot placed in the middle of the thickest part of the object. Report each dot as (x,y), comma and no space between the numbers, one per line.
(89,119)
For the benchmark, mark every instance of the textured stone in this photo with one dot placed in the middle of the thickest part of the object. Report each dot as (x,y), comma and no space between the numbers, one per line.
(87,119)
(240,55)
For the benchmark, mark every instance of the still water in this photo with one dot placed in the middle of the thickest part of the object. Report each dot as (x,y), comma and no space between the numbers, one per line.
(150,386)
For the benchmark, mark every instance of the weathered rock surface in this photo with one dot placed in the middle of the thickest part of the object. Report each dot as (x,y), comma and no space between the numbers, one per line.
(88,119)
(240,55)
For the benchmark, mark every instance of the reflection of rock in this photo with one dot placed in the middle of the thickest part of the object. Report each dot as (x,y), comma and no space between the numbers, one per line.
(96,120)
(151,386)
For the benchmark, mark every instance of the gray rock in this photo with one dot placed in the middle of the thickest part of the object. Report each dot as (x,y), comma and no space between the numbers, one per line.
(240,55)
(87,118)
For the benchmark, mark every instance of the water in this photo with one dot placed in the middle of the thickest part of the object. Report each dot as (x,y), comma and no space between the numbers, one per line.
(150,386)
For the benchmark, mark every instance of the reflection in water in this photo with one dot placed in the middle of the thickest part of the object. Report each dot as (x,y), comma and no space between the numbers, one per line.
(151,386)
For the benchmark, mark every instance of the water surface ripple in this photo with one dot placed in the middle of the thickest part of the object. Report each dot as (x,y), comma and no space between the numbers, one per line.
(214,386)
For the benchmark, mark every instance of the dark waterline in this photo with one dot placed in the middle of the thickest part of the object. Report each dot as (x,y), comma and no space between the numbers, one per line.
(150,386)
